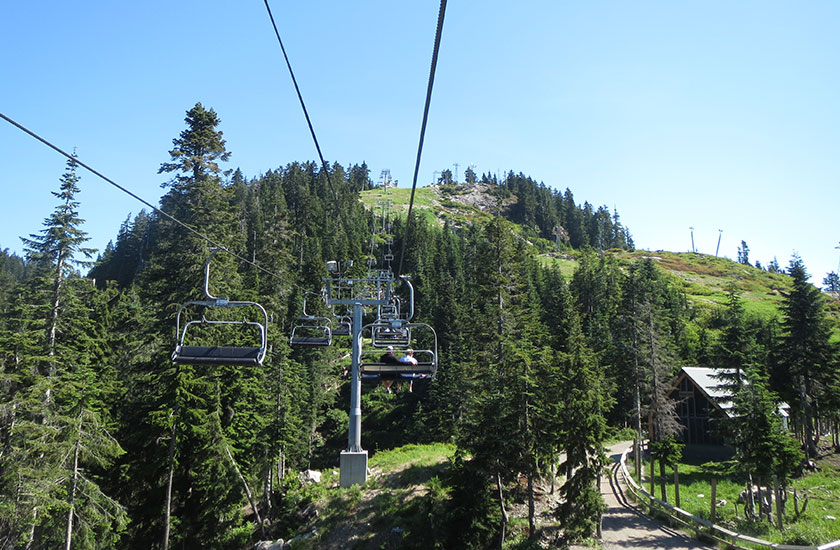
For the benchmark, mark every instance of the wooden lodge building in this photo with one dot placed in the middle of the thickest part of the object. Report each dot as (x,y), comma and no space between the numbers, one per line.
(702,404)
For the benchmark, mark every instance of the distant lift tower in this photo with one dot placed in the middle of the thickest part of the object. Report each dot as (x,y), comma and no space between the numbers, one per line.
(385,179)
(692,240)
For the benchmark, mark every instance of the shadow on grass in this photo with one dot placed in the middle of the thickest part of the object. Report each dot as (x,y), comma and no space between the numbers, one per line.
(416,474)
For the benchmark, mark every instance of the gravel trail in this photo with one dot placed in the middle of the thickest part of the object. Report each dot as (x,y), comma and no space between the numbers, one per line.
(625,526)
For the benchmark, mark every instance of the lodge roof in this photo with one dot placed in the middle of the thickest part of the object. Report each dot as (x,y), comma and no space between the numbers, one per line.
(705,379)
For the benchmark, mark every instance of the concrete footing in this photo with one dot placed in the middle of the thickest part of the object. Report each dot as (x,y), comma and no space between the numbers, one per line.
(353,468)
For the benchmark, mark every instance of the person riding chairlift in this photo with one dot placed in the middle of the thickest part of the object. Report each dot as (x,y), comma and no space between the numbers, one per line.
(389,359)
(411,360)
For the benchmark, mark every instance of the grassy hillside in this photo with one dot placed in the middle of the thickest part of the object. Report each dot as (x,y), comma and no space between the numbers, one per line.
(391,510)
(703,278)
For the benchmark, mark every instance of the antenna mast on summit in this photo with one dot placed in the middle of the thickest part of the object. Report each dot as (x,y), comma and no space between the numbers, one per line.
(692,240)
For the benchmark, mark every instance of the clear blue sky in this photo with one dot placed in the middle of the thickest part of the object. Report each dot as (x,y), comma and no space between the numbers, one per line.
(714,114)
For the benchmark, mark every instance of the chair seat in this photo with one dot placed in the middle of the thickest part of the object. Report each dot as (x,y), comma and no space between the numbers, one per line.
(217,355)
(400,369)
(310,341)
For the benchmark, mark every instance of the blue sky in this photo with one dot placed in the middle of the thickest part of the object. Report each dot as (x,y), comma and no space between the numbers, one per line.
(713,115)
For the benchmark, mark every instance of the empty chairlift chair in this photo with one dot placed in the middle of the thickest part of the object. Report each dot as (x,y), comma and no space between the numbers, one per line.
(390,329)
(343,327)
(190,354)
(311,330)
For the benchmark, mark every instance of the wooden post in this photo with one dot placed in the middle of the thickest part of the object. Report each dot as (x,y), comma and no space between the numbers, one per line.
(714,500)
(652,476)
(637,458)
(677,485)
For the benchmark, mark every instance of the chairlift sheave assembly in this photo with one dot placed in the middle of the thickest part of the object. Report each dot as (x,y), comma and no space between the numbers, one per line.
(185,354)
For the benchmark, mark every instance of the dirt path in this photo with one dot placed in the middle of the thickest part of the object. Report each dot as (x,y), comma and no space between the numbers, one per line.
(624,526)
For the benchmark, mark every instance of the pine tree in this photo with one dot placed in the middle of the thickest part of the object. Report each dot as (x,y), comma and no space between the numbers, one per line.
(831,282)
(744,254)
(502,428)
(804,349)
(184,411)
(763,448)
(583,425)
(737,349)
(56,430)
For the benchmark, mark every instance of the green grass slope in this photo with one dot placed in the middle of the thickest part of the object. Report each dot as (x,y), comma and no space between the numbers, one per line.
(704,278)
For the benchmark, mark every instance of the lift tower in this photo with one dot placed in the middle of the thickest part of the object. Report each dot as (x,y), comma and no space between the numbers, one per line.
(375,290)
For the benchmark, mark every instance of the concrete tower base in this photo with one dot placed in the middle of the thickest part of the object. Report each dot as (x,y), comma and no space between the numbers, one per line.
(353,468)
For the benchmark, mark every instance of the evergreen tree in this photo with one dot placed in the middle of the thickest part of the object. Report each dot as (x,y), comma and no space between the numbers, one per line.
(763,448)
(744,254)
(501,429)
(121,262)
(53,252)
(737,349)
(469,175)
(582,395)
(831,282)
(804,350)
(55,430)
(184,410)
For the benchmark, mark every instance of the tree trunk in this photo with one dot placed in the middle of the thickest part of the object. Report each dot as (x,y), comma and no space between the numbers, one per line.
(714,500)
(749,505)
(532,510)
(553,475)
(56,304)
(173,437)
(71,497)
(6,444)
(32,530)
(268,488)
(247,490)
(504,512)
(777,493)
(677,485)
(652,474)
(637,404)
(808,419)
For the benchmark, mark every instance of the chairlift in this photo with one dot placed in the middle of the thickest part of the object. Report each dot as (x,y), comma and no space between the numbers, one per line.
(311,330)
(344,326)
(218,355)
(375,364)
(394,333)
(388,312)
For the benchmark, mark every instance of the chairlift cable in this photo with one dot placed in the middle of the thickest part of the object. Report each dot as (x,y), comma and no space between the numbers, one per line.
(165,215)
(300,98)
(438,33)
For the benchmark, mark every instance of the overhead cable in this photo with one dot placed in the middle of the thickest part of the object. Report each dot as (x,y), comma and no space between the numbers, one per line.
(126,191)
(300,98)
(438,33)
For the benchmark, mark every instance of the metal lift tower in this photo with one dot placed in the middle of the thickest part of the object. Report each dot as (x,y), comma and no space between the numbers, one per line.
(372,291)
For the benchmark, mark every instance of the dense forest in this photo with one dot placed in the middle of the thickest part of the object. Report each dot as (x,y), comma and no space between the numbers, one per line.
(104,443)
